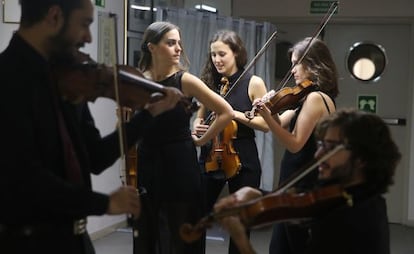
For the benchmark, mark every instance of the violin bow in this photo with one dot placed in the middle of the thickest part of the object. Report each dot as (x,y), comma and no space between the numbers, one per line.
(123,145)
(323,23)
(252,62)
(121,122)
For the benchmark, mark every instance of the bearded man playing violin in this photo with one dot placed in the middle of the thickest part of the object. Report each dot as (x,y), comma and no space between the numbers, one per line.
(51,146)
(363,165)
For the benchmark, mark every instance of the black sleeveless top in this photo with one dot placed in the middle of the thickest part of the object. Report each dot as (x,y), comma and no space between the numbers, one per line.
(239,99)
(167,157)
(173,125)
(293,162)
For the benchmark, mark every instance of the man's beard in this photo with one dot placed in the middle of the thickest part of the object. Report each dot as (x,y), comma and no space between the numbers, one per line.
(341,174)
(62,48)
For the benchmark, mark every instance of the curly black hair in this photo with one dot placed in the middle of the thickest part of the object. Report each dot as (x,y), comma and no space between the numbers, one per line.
(370,140)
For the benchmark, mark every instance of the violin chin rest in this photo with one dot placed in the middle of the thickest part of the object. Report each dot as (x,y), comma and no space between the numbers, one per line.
(156,96)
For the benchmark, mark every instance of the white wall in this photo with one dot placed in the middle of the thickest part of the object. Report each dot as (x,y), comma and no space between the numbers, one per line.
(6,31)
(410,176)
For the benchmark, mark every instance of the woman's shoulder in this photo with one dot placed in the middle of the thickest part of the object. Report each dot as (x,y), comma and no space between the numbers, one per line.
(188,77)
(255,78)
(318,96)
(256,82)
(321,100)
(191,84)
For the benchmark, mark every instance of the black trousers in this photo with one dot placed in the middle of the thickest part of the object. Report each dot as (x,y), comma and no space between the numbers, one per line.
(214,183)
(289,238)
(159,230)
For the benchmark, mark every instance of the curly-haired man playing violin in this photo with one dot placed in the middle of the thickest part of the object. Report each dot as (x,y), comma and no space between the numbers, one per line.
(364,167)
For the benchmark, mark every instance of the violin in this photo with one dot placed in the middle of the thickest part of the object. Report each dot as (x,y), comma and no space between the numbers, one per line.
(223,156)
(274,208)
(285,98)
(280,205)
(82,79)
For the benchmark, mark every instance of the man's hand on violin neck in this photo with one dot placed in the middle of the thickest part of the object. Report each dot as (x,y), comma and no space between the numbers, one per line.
(124,200)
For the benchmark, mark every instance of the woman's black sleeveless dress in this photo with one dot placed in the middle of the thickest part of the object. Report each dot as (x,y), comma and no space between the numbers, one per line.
(169,171)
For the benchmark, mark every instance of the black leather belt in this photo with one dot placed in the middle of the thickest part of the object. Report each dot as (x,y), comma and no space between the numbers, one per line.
(77,227)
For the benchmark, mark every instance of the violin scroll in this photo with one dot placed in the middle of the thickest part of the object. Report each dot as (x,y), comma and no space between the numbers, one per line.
(190,233)
(251,114)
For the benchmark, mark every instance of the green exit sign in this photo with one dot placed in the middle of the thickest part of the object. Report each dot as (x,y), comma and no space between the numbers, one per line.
(100,3)
(317,7)
(368,103)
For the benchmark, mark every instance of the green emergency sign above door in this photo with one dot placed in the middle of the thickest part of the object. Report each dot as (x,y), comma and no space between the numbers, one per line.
(321,7)
(100,3)
(367,103)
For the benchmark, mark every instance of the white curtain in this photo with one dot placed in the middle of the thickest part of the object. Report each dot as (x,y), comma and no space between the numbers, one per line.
(197,29)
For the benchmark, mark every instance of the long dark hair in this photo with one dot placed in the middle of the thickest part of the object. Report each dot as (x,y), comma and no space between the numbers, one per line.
(153,34)
(209,75)
(318,61)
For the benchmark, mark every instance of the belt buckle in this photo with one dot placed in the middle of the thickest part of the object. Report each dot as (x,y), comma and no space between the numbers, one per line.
(79,227)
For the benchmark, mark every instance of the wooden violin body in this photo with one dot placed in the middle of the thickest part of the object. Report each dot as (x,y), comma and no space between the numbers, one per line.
(223,156)
(292,206)
(289,97)
(275,208)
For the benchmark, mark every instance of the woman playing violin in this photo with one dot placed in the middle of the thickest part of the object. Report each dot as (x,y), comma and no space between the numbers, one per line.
(167,157)
(227,58)
(293,128)
(365,168)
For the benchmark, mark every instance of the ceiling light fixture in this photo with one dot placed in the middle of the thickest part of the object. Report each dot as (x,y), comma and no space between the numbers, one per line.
(204,7)
(142,8)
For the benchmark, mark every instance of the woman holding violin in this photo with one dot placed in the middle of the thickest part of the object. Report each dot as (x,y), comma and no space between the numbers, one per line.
(364,167)
(293,128)
(227,58)
(167,156)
